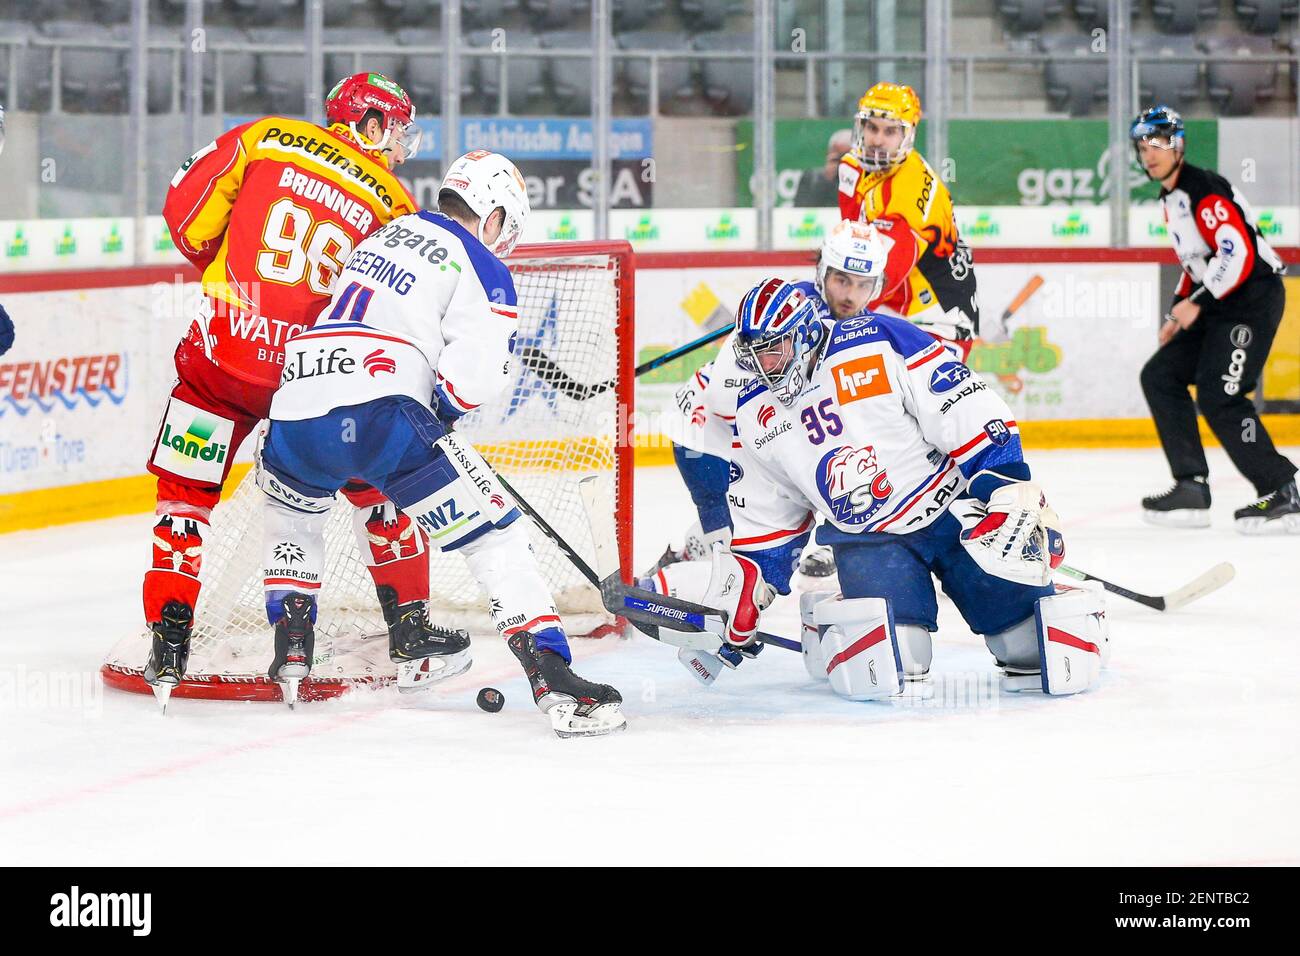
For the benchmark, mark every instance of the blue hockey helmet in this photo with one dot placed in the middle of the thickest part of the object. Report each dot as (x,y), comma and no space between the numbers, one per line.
(778,332)
(1159,126)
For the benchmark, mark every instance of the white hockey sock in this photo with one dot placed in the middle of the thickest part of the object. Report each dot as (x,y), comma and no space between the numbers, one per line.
(519,599)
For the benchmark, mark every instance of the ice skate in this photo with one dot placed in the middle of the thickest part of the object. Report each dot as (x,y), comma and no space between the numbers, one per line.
(295,642)
(423,652)
(170,651)
(1275,513)
(1185,505)
(577,707)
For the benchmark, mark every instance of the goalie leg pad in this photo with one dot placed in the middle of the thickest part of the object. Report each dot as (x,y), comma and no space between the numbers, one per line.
(453,496)
(1060,650)
(1072,635)
(814,657)
(863,660)
(518,597)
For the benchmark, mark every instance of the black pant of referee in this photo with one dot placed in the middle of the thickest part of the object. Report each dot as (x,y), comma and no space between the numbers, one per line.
(1222,354)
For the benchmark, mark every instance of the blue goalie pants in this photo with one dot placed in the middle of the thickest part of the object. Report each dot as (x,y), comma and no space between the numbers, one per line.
(898,567)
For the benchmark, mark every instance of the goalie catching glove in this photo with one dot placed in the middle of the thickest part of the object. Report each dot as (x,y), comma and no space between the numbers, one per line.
(1015,534)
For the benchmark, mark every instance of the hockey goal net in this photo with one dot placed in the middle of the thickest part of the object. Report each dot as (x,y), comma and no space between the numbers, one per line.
(564,418)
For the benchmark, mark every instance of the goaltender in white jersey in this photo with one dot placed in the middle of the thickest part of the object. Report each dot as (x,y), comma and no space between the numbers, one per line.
(419,332)
(915,464)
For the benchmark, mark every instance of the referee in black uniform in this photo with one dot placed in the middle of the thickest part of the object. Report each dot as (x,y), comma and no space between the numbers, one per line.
(1226,310)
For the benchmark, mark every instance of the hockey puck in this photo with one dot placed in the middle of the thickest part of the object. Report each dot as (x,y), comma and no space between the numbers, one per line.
(491,699)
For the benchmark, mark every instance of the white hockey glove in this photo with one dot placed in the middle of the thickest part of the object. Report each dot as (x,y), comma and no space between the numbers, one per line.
(1015,536)
(737,588)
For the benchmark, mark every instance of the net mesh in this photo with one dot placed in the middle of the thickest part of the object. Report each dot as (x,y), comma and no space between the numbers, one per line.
(556,424)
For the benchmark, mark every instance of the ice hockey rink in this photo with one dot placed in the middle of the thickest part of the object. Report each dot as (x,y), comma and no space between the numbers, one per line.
(1186,755)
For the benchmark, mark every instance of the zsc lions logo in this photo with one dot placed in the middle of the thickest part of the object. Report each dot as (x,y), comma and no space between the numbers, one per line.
(853,483)
(948,376)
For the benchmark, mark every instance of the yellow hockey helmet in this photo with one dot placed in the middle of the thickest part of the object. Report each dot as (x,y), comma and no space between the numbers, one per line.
(894,103)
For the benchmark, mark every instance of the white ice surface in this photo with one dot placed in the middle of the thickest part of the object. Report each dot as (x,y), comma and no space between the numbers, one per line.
(1187,753)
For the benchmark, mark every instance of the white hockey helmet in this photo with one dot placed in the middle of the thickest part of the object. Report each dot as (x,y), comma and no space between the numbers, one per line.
(855,248)
(487,181)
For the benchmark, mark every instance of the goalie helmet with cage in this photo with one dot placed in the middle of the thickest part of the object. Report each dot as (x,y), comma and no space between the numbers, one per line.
(487,181)
(778,334)
(353,97)
(1158,126)
(856,249)
(892,103)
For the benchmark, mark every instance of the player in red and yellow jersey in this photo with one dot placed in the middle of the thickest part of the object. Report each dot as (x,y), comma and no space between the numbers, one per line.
(268,213)
(884,180)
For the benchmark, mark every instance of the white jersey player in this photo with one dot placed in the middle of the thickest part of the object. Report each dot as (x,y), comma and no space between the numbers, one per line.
(419,332)
(915,466)
(858,266)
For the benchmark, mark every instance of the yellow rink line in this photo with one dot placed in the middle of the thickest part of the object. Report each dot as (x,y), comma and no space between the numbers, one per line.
(134,495)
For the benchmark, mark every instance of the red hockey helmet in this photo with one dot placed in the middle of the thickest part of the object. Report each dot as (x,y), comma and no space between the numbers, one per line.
(355,96)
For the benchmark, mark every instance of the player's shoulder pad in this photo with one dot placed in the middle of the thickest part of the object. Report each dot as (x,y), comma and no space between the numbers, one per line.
(749,392)
(850,172)
(809,288)
(492,274)
(871,327)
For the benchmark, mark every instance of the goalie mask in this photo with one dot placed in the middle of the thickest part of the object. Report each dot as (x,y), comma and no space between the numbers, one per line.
(889,104)
(487,181)
(355,96)
(778,334)
(855,249)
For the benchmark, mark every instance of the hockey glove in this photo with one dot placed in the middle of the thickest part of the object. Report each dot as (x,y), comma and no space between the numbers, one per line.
(1016,535)
(737,588)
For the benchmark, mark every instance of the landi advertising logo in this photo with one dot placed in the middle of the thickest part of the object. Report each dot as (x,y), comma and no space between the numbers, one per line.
(807,228)
(644,230)
(564,231)
(196,442)
(18,247)
(724,228)
(984,226)
(1072,227)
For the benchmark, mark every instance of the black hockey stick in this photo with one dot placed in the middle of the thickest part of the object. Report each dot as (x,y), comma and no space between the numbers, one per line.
(535,360)
(686,349)
(1207,583)
(645,610)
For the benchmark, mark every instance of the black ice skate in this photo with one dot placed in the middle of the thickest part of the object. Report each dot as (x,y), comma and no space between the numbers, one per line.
(577,707)
(295,642)
(817,562)
(1185,505)
(170,650)
(1275,513)
(423,652)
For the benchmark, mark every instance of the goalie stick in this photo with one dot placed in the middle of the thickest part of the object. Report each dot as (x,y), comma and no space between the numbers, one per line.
(647,611)
(1197,588)
(546,368)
